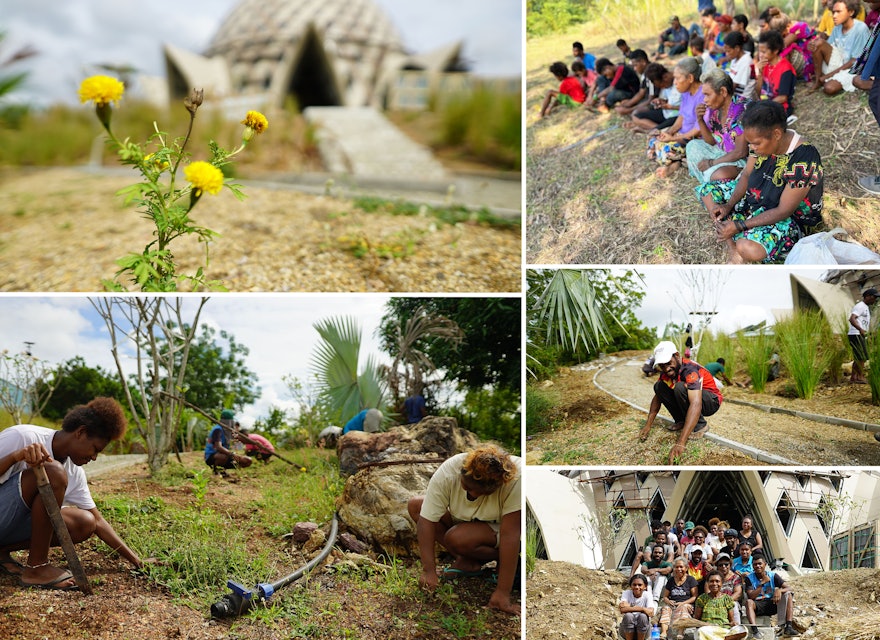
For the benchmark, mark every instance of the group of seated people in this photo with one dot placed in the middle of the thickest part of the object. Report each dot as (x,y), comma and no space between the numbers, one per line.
(714,574)
(719,103)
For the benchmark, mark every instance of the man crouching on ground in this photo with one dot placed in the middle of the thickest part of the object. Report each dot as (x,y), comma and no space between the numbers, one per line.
(472,507)
(24,523)
(688,392)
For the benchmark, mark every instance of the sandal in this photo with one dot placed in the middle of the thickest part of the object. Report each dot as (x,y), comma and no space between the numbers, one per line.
(16,568)
(53,584)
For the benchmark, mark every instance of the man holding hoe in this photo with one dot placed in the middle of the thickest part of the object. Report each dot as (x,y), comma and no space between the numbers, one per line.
(24,520)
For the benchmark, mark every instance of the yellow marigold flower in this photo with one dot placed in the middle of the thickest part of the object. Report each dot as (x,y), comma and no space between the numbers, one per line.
(256,121)
(101,89)
(204,177)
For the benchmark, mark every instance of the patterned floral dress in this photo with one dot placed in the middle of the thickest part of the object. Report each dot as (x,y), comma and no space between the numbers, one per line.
(801,167)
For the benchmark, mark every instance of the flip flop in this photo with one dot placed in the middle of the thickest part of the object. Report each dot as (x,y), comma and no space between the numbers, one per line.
(450,572)
(10,560)
(53,585)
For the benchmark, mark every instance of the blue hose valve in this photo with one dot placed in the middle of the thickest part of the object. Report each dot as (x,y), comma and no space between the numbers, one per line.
(266,590)
(240,589)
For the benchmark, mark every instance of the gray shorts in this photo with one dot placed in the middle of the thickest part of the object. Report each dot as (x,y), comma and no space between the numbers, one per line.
(15,515)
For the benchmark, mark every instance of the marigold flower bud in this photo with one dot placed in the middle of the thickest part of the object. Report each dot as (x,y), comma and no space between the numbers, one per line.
(194,100)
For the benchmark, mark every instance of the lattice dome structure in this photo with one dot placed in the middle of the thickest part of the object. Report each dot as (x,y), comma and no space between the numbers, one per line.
(321,52)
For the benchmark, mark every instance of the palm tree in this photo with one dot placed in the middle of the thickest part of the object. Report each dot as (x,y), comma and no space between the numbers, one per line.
(569,311)
(335,365)
(9,83)
(409,343)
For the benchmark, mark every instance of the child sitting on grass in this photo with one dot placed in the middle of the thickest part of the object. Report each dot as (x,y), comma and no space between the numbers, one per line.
(570,93)
(639,64)
(586,77)
(626,51)
(614,84)
(777,74)
(662,110)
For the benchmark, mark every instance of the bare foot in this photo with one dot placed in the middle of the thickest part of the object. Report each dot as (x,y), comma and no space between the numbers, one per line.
(668,170)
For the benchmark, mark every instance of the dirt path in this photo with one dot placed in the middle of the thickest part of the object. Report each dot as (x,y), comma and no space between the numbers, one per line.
(803,441)
(63,229)
(609,432)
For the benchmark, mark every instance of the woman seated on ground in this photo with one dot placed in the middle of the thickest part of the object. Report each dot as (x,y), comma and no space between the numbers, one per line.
(662,110)
(776,73)
(637,606)
(778,196)
(719,154)
(678,596)
(796,39)
(668,148)
(716,608)
(836,55)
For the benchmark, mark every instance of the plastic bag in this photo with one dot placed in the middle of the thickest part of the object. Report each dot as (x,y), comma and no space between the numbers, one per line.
(823,248)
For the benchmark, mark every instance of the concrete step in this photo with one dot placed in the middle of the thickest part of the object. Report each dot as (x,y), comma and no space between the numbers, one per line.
(362,142)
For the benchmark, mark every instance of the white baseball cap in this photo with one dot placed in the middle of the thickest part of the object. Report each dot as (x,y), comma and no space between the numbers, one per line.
(664,351)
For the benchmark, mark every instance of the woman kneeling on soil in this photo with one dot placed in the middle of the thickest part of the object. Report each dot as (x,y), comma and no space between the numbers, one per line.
(678,597)
(24,523)
(717,608)
(668,148)
(472,507)
(637,606)
(778,197)
(718,155)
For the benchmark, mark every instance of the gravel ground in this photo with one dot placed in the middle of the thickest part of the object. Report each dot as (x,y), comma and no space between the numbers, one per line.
(63,229)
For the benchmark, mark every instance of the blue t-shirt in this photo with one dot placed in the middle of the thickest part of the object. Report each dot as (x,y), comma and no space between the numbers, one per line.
(356,423)
(739,566)
(414,407)
(217,433)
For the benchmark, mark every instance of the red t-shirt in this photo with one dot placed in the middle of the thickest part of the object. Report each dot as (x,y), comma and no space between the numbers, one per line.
(694,377)
(778,80)
(571,87)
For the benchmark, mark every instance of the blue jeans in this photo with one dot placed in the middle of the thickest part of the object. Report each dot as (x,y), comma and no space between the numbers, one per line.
(15,515)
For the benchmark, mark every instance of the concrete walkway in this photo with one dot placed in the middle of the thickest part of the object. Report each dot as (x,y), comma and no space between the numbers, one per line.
(106,463)
(362,142)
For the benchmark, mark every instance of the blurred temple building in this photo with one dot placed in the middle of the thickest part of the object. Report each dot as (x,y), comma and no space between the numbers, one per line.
(319,53)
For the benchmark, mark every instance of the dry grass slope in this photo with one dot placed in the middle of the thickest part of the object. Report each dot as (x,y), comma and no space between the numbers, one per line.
(599,202)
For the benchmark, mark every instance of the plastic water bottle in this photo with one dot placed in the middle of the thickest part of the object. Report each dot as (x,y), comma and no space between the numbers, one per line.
(655,632)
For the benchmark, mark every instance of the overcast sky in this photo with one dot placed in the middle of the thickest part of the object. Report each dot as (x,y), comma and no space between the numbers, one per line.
(749,295)
(71,35)
(277,330)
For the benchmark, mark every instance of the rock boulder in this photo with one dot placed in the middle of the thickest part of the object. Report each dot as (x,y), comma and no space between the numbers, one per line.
(434,434)
(373,503)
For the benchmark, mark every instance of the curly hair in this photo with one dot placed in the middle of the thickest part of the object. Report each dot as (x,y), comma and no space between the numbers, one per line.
(489,466)
(700,529)
(102,417)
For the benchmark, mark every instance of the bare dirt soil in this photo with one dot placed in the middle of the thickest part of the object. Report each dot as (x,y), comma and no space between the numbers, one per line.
(599,201)
(569,601)
(590,427)
(63,230)
(126,606)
